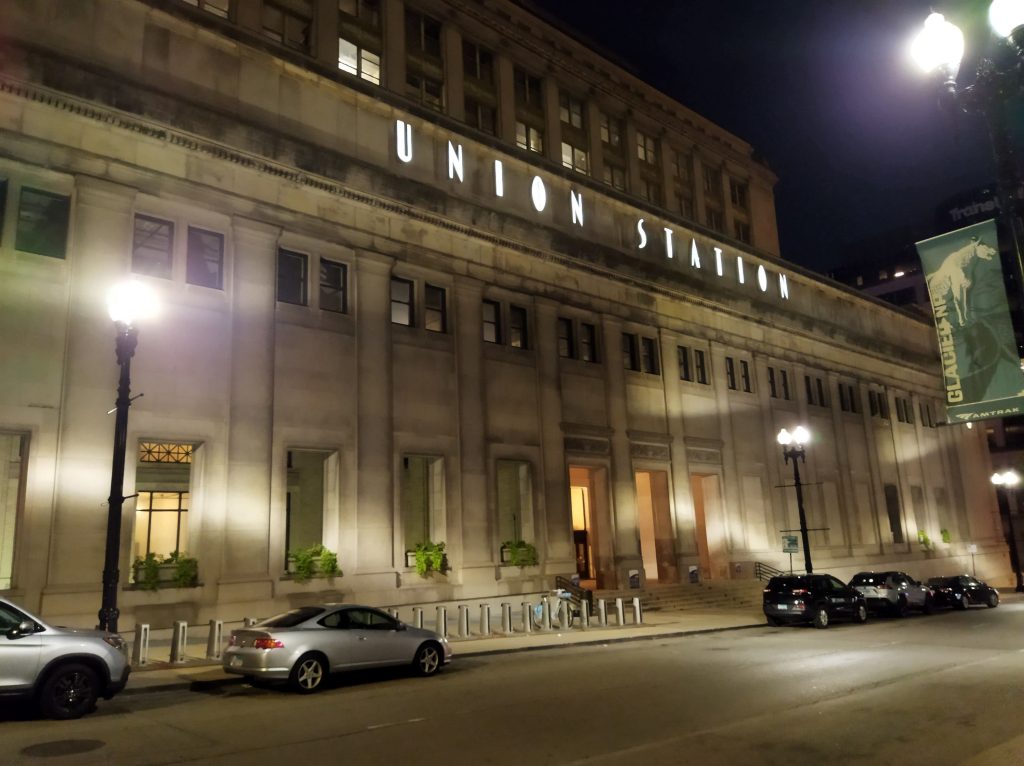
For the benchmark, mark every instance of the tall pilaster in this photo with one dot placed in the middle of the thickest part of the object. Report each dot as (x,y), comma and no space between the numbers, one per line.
(552,122)
(504,73)
(682,497)
(393,25)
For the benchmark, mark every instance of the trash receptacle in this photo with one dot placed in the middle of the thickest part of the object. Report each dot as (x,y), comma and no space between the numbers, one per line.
(694,575)
(634,578)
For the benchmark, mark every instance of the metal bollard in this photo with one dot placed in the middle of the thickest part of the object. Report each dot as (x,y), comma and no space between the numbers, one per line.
(417,616)
(140,649)
(442,621)
(545,620)
(506,618)
(485,619)
(179,641)
(619,614)
(215,641)
(637,616)
(527,617)
(584,614)
(248,622)
(463,620)
(602,613)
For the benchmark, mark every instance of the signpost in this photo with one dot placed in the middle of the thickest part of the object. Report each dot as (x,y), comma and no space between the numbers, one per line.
(790,545)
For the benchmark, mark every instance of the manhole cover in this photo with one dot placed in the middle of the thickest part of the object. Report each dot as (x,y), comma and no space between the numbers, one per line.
(62,747)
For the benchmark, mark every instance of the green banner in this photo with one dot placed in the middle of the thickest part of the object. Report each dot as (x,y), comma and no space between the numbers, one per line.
(980,365)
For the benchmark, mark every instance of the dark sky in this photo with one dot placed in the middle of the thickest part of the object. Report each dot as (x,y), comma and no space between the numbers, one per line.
(823,90)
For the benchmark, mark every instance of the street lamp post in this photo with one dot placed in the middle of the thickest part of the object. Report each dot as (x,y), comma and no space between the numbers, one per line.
(1009,480)
(793,450)
(126,303)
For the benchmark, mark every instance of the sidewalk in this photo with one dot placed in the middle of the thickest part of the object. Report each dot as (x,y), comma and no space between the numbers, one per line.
(204,674)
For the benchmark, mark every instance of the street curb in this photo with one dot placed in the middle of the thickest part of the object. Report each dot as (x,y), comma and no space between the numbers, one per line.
(218,683)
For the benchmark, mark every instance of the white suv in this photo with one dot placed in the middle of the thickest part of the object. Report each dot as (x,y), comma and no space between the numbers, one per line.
(894,592)
(63,669)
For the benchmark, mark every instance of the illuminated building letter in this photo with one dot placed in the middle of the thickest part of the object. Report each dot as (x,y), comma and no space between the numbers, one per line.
(783,286)
(540,196)
(576,200)
(739,269)
(668,241)
(694,255)
(404,131)
(499,179)
(718,262)
(762,279)
(455,161)
(642,233)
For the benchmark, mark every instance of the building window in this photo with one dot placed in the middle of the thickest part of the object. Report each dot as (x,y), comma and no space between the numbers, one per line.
(427,90)
(819,386)
(588,342)
(402,302)
(892,507)
(681,165)
(566,341)
(778,384)
(435,317)
(528,89)
(611,131)
(630,353)
(422,34)
(570,110)
(214,7)
(712,182)
(12,491)
(288,22)
(529,137)
(333,286)
(492,321)
(745,376)
(480,116)
(615,177)
(358,61)
(367,11)
(877,405)
(699,367)
(291,277)
(421,499)
(716,220)
(692,366)
(646,148)
(649,356)
(161,523)
(514,500)
(849,398)
(904,410)
(518,329)
(42,222)
(477,62)
(815,389)
(575,158)
(204,262)
(926,415)
(685,370)
(741,230)
(650,191)
(730,373)
(738,194)
(424,70)
(306,498)
(152,247)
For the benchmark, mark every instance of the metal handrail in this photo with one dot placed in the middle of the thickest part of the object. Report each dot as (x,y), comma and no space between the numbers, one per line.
(766,572)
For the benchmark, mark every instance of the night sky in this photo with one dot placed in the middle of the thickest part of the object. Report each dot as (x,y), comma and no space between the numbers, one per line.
(823,90)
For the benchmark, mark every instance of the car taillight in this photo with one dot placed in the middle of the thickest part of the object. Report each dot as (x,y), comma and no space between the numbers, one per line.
(799,591)
(267,643)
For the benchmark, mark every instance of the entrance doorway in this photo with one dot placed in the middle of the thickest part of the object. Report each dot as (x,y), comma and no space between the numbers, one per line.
(591,535)
(708,530)
(654,522)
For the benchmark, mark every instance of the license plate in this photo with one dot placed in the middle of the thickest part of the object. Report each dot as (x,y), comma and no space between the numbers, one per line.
(782,607)
(236,662)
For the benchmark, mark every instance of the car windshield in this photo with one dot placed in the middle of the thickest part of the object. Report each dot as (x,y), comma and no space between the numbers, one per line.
(10,617)
(942,582)
(781,584)
(291,618)
(868,578)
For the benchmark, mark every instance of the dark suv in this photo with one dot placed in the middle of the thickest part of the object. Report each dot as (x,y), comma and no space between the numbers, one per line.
(815,598)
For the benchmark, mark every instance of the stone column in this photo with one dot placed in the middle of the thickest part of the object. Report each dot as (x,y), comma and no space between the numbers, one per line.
(478,528)
(552,122)
(632,161)
(393,27)
(557,514)
(700,212)
(375,461)
(877,491)
(592,121)
(251,410)
(504,72)
(451,51)
(682,497)
(325,29)
(842,448)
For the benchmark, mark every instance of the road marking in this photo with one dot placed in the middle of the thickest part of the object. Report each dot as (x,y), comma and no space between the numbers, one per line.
(393,723)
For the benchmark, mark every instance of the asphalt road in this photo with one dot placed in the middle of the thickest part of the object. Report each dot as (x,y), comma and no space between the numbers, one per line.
(945,689)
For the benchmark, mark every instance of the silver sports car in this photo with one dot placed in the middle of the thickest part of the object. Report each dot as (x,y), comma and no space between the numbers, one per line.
(302,646)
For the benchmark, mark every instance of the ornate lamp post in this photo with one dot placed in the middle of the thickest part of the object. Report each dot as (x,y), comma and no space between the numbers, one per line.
(793,450)
(1009,480)
(126,303)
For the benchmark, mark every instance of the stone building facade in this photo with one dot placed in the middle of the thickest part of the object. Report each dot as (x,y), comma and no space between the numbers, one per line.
(427,272)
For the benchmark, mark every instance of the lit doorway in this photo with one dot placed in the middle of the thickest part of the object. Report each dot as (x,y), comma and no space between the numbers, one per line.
(708,530)
(591,533)
(654,523)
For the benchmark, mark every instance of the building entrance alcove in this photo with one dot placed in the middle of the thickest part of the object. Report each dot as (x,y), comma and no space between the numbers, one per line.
(708,524)
(654,523)
(588,499)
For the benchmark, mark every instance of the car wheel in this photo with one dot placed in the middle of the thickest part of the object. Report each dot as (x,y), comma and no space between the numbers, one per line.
(821,617)
(773,622)
(900,610)
(308,674)
(963,603)
(69,691)
(929,606)
(860,614)
(428,659)
(993,600)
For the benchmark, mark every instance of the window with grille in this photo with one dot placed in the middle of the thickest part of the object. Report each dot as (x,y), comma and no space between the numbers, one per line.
(402,302)
(291,277)
(204,262)
(333,286)
(152,247)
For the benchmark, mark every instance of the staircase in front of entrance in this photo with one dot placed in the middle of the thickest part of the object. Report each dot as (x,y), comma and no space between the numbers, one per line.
(716,594)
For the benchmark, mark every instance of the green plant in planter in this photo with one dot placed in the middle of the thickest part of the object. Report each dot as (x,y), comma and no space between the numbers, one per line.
(520,553)
(946,536)
(147,572)
(316,559)
(924,540)
(186,569)
(429,557)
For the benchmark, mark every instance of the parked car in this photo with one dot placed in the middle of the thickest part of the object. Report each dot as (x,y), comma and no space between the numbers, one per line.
(815,598)
(63,670)
(893,592)
(303,646)
(960,591)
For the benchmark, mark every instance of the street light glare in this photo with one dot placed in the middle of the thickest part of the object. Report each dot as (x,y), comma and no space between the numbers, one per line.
(1004,16)
(130,301)
(940,43)
(784,437)
(801,435)
(1007,478)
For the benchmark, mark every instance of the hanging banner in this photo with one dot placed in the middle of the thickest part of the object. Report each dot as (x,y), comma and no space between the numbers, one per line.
(980,365)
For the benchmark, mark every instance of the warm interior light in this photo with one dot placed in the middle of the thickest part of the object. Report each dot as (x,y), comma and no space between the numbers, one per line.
(784,437)
(940,43)
(1004,16)
(128,302)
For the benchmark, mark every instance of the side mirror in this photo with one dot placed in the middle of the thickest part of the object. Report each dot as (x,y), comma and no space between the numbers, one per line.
(25,628)
(400,626)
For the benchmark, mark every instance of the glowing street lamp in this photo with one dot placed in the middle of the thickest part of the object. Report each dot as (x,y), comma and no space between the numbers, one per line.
(127,303)
(793,450)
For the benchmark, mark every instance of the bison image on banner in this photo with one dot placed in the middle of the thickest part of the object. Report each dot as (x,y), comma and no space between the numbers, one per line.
(980,365)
